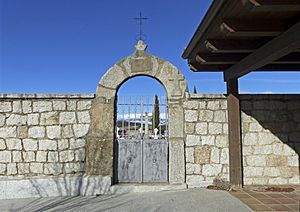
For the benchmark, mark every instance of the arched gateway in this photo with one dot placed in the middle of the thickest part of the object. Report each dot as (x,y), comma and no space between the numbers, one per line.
(101,136)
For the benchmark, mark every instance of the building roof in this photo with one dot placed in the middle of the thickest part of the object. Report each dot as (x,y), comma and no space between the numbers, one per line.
(240,36)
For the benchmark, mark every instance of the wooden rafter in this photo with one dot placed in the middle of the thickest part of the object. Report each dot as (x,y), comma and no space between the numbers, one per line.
(272,5)
(196,67)
(275,2)
(233,58)
(219,58)
(280,46)
(249,28)
(234,45)
(293,58)
(280,67)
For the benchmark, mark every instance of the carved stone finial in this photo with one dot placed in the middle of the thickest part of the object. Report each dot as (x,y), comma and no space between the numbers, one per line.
(140,46)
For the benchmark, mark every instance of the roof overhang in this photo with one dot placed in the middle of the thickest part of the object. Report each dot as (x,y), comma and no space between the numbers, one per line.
(239,36)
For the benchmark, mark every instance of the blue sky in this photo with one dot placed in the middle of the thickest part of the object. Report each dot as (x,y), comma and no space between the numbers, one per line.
(65,46)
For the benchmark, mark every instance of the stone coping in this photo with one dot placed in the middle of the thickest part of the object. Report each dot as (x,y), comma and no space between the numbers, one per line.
(207,96)
(47,96)
(191,96)
(269,96)
(246,96)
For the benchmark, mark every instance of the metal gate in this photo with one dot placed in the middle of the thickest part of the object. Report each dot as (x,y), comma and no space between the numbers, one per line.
(141,136)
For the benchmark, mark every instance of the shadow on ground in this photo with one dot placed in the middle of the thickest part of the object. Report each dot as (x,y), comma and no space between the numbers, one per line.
(185,200)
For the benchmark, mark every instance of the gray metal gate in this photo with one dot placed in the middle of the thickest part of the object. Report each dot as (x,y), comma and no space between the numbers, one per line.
(141,136)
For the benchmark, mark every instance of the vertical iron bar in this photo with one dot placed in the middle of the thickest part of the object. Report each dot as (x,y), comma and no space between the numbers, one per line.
(123,114)
(142,159)
(135,131)
(148,134)
(161,108)
(142,120)
(164,112)
(129,102)
(167,118)
(153,114)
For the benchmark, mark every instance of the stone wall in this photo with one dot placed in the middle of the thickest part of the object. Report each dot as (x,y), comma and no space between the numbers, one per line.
(43,135)
(206,144)
(271,138)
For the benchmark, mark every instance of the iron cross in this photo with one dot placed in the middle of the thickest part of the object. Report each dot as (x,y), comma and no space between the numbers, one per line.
(141,19)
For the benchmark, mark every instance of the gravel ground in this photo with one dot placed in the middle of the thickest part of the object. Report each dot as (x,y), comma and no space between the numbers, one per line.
(185,200)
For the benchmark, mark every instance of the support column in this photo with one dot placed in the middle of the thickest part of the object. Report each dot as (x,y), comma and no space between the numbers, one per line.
(234,130)
(176,143)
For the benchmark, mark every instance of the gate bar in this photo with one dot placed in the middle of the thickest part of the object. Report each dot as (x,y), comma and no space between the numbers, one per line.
(123,113)
(142,118)
(159,125)
(166,118)
(128,124)
(135,117)
(142,160)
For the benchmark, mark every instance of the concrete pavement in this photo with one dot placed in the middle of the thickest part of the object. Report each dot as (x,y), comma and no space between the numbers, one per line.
(184,200)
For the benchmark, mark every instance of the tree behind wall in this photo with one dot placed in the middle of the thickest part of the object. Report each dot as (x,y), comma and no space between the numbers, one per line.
(155,114)
(195,90)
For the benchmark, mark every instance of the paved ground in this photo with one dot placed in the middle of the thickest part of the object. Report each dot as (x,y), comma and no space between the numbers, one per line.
(260,200)
(185,200)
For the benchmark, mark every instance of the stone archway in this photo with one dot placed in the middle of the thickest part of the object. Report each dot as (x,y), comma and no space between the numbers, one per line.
(100,139)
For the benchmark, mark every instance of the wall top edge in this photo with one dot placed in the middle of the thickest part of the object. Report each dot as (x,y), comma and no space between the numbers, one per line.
(47,96)
(269,96)
(207,96)
(191,96)
(245,96)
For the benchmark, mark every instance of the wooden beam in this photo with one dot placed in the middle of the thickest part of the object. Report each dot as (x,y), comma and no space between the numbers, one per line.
(234,131)
(233,58)
(280,67)
(275,2)
(272,5)
(249,28)
(219,62)
(278,47)
(219,58)
(234,45)
(293,58)
(197,67)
